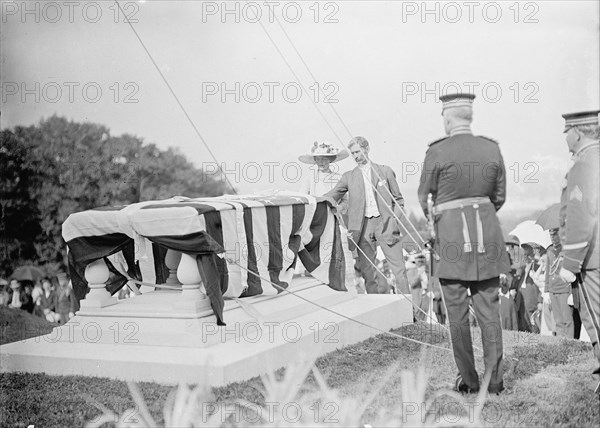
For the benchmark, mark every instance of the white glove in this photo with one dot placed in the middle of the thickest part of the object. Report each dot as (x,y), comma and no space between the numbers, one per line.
(546,297)
(567,275)
(570,300)
(334,204)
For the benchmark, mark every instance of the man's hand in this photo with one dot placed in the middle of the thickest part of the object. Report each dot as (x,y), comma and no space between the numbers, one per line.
(331,201)
(567,275)
(502,279)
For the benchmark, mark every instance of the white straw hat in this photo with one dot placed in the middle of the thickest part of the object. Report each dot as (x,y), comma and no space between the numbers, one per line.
(323,149)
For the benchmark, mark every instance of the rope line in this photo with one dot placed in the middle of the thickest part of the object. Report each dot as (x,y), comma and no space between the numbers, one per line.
(380,272)
(282,289)
(341,121)
(311,74)
(338,137)
(164,79)
(299,81)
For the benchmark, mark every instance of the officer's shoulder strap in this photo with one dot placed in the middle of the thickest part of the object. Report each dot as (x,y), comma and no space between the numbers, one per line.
(437,141)
(488,138)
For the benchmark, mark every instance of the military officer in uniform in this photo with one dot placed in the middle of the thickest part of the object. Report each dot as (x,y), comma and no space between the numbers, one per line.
(579,220)
(466,178)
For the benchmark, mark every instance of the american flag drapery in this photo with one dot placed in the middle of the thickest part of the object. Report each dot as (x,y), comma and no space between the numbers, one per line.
(265,234)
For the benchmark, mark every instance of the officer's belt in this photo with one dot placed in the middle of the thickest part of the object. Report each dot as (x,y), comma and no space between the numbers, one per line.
(460,204)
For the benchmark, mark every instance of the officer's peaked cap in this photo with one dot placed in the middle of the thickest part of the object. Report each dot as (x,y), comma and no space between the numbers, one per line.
(457,100)
(581,118)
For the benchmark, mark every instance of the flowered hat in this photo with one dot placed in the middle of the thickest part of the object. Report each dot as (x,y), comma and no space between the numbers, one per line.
(323,149)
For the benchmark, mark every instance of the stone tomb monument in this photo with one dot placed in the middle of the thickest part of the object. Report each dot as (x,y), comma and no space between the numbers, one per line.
(220,319)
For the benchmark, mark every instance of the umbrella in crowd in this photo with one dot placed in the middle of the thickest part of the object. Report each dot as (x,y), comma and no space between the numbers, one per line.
(512,240)
(31,273)
(549,218)
(529,232)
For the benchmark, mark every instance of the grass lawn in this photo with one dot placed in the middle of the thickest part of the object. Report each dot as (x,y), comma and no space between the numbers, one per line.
(16,325)
(548,381)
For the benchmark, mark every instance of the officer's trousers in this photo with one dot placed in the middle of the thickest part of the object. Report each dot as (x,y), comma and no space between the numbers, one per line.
(589,292)
(487,309)
(563,316)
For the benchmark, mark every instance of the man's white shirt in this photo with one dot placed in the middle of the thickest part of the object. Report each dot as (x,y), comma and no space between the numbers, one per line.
(371,209)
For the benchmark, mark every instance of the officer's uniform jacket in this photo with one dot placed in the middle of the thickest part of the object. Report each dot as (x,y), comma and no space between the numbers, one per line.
(554,283)
(579,212)
(466,176)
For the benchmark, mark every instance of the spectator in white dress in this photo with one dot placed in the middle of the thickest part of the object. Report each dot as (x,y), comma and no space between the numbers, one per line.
(320,180)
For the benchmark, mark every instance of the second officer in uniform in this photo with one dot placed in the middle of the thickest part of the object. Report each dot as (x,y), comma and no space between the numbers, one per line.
(579,221)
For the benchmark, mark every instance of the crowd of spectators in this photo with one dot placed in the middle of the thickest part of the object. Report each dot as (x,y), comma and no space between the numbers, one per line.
(533,296)
(51,298)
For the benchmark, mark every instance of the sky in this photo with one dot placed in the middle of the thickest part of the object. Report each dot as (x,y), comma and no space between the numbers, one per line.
(261,81)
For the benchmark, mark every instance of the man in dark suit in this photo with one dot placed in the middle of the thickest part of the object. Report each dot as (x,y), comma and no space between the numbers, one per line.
(558,289)
(373,197)
(466,177)
(527,288)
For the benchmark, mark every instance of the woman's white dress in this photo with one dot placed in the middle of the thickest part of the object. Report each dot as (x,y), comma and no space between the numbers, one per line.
(317,183)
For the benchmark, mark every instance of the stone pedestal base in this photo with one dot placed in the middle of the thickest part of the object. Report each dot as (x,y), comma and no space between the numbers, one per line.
(107,300)
(152,338)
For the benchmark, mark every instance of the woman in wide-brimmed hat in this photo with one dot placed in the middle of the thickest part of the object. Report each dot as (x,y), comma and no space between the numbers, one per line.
(321,178)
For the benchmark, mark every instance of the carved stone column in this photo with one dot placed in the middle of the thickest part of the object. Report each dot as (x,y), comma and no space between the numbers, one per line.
(96,274)
(192,298)
(172,260)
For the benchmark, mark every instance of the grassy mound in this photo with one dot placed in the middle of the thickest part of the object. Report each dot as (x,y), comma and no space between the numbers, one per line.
(16,325)
(548,383)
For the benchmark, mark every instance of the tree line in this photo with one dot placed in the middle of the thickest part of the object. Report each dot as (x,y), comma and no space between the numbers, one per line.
(58,167)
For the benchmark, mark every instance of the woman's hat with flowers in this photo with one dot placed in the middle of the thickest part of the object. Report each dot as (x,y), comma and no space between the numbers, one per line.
(323,149)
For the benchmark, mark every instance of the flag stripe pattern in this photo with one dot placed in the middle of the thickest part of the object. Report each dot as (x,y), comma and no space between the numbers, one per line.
(275,247)
(266,234)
